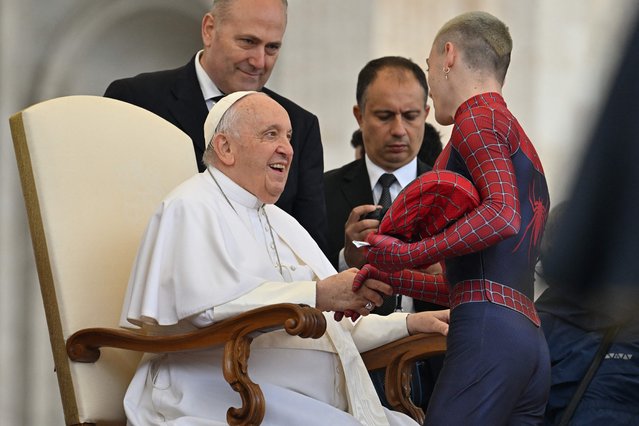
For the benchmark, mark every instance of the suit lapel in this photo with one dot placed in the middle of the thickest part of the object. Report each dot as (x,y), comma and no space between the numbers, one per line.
(422,167)
(188,106)
(356,185)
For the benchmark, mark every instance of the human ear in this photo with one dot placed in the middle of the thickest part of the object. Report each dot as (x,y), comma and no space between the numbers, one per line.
(450,54)
(208,24)
(222,147)
(358,114)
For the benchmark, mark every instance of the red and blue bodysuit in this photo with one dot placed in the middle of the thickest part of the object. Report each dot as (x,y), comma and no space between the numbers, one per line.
(496,369)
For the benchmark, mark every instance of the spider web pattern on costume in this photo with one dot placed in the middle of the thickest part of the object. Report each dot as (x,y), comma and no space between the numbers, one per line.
(481,138)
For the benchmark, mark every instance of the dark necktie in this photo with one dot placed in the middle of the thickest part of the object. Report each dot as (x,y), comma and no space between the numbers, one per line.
(386,180)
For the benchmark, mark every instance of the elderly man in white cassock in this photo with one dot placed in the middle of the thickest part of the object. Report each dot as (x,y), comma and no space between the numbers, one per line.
(218,246)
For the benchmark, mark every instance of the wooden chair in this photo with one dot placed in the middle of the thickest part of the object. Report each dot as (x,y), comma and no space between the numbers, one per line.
(93,170)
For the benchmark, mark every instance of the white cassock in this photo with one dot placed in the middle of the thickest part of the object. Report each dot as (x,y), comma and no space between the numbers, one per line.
(211,251)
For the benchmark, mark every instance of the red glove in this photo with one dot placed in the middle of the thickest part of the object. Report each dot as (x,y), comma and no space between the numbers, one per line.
(416,284)
(338,315)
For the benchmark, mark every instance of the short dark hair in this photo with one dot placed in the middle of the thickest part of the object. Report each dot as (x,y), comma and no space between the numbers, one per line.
(431,145)
(357,139)
(368,74)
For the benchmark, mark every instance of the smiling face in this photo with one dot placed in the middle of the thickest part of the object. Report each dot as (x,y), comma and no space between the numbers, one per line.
(260,149)
(241,45)
(392,118)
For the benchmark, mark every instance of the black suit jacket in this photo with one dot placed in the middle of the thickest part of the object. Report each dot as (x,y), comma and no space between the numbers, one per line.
(346,188)
(175,95)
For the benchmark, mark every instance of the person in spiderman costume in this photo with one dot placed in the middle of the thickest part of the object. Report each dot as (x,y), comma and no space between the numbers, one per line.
(496,370)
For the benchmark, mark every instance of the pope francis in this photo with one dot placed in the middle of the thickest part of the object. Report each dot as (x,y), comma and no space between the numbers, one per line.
(217,246)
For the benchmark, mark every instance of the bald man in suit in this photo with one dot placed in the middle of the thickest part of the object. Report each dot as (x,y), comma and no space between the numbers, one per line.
(242,40)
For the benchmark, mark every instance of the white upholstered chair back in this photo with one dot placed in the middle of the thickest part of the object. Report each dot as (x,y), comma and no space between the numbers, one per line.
(93,170)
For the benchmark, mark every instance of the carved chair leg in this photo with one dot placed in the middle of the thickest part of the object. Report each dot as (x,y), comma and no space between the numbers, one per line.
(398,391)
(236,354)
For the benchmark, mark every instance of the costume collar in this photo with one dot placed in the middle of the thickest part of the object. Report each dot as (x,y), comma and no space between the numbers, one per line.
(489,99)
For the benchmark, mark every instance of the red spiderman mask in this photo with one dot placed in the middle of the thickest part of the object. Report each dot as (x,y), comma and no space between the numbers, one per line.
(428,205)
(424,208)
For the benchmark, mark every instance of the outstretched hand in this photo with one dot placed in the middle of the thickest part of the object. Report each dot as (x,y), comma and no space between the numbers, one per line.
(367,272)
(429,322)
(368,278)
(335,293)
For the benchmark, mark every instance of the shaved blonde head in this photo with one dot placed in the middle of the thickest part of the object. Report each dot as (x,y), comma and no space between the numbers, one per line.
(483,39)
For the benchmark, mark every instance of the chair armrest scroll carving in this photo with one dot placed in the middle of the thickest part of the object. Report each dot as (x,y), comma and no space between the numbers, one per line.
(235,334)
(398,357)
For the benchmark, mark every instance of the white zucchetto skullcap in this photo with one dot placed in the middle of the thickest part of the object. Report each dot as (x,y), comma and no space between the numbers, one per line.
(218,110)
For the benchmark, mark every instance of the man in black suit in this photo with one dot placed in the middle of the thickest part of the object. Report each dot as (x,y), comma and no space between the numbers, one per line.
(391,109)
(242,40)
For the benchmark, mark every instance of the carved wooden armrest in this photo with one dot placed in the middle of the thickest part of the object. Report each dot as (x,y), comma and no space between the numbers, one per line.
(235,333)
(398,357)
